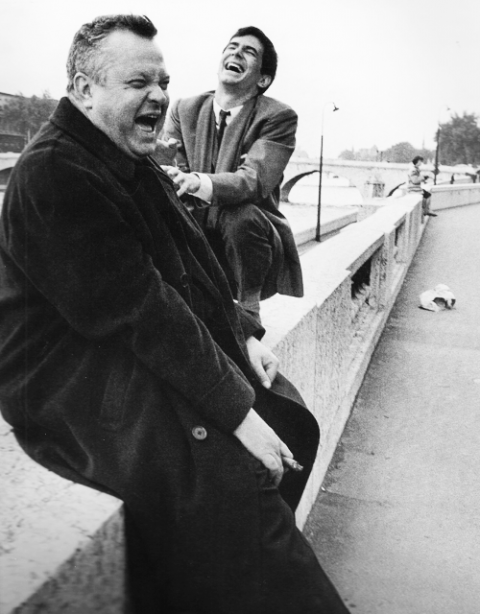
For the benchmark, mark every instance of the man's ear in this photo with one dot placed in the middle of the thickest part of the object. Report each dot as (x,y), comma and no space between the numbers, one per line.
(82,85)
(264,82)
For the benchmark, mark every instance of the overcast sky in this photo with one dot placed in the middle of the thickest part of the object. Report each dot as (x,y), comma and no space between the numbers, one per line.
(391,66)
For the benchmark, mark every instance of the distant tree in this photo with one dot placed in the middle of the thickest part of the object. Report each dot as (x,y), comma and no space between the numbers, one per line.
(26,115)
(401,152)
(427,154)
(300,152)
(347,154)
(460,140)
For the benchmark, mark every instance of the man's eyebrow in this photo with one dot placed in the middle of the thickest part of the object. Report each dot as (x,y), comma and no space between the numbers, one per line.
(146,74)
(246,47)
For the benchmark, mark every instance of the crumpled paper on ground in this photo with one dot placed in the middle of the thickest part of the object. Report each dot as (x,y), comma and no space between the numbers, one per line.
(441,297)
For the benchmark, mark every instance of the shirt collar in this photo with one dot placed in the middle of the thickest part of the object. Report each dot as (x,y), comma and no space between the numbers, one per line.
(233,112)
(72,121)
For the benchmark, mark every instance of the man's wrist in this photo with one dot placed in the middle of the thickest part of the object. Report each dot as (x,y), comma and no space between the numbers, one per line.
(194,189)
(205,190)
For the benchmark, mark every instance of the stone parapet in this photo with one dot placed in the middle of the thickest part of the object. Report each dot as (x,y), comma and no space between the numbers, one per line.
(325,340)
(454,195)
(62,544)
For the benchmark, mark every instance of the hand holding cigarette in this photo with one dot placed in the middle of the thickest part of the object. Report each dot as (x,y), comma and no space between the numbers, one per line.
(292,464)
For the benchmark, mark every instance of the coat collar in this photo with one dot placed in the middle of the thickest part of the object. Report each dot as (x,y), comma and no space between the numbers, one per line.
(69,119)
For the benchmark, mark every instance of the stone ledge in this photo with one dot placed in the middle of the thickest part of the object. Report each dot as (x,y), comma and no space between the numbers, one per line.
(323,344)
(454,195)
(62,546)
(303,220)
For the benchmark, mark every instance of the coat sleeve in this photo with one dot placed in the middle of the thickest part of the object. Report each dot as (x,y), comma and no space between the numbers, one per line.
(66,233)
(262,166)
(250,326)
(173,130)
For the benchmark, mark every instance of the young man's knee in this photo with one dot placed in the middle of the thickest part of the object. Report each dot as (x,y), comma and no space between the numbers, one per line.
(243,221)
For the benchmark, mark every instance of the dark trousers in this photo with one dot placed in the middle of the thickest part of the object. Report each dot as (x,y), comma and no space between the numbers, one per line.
(247,246)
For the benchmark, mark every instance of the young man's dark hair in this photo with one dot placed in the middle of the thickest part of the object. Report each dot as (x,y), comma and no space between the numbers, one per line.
(417,159)
(269,58)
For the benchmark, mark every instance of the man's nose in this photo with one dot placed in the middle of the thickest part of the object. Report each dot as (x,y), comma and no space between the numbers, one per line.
(158,94)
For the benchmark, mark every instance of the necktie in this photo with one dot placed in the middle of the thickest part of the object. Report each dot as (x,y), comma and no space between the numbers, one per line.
(222,124)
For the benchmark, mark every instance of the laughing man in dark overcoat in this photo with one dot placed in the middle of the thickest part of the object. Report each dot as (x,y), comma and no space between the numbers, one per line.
(126,365)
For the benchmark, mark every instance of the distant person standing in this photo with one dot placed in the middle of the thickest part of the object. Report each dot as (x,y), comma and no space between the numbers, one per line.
(415,181)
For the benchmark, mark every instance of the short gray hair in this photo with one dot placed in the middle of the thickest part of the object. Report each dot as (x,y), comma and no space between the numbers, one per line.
(84,52)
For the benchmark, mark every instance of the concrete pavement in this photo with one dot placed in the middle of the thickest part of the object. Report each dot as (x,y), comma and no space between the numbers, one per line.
(397,523)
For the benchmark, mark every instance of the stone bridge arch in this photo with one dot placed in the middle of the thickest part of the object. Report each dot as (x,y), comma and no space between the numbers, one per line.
(288,185)
(372,179)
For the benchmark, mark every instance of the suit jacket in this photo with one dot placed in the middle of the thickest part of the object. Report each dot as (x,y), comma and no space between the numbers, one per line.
(254,152)
(123,366)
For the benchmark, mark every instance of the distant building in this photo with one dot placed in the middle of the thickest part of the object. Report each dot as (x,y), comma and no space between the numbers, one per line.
(372,154)
(29,113)
(11,140)
(5,99)
(368,155)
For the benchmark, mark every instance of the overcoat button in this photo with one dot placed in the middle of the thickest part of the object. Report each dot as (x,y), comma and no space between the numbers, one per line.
(184,280)
(199,432)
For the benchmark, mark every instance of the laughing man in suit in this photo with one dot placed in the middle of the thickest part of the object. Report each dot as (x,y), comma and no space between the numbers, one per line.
(230,170)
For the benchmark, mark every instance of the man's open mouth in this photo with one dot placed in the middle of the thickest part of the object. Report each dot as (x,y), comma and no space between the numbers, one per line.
(147,122)
(234,67)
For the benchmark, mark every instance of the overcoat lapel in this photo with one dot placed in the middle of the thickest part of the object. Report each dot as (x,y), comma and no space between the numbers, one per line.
(186,236)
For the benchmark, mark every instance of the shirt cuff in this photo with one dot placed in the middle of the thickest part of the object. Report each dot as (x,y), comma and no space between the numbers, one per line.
(205,191)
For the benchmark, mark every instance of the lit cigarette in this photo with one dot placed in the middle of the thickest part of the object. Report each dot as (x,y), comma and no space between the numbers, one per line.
(292,464)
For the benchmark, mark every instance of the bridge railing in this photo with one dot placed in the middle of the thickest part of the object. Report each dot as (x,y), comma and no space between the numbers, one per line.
(455,195)
(373,179)
(325,340)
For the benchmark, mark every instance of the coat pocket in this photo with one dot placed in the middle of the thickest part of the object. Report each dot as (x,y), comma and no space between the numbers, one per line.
(111,413)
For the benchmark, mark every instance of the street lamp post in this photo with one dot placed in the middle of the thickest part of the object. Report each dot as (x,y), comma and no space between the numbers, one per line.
(435,171)
(319,208)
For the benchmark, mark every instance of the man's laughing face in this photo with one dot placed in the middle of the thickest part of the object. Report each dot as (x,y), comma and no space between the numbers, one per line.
(129,99)
(241,64)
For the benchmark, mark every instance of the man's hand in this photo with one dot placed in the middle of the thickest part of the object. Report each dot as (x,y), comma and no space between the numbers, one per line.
(188,183)
(166,151)
(265,445)
(263,361)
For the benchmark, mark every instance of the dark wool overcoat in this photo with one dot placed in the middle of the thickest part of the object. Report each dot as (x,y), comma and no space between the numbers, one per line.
(248,168)
(123,366)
